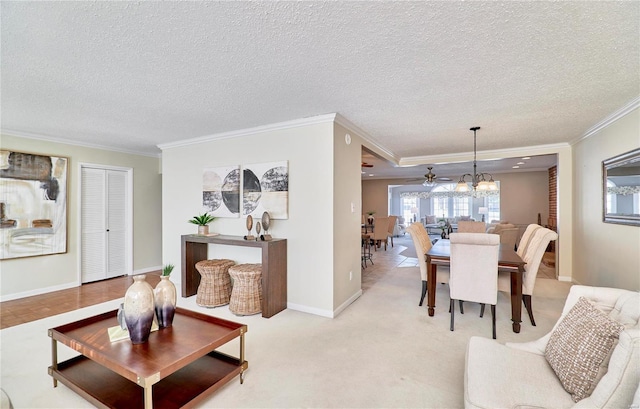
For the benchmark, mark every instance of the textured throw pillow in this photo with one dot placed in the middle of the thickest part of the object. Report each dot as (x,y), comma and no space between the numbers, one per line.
(579,345)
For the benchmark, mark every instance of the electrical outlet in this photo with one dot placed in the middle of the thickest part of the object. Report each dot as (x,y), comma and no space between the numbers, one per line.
(350,275)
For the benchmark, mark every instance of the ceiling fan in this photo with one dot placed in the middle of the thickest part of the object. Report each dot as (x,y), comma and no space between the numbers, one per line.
(430,178)
(366,165)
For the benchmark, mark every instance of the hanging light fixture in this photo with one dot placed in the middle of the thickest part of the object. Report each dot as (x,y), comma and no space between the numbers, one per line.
(478,180)
(430,178)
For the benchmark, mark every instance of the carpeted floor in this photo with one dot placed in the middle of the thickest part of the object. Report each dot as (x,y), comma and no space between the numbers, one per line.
(383,351)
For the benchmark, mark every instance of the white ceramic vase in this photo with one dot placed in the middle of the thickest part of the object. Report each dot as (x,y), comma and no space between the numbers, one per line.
(139,309)
(165,298)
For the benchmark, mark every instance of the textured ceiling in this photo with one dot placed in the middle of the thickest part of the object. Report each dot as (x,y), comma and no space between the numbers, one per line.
(413,75)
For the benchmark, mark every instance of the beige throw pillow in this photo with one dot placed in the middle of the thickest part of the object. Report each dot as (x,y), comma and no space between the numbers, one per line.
(579,345)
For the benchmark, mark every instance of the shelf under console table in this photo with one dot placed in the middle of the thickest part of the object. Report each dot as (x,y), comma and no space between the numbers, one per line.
(274,267)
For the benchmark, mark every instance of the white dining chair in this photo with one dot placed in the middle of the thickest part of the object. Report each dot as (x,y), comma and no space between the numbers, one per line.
(467,226)
(474,271)
(526,237)
(422,243)
(381,232)
(533,252)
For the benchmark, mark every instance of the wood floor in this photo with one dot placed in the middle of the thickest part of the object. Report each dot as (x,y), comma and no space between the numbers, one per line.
(33,308)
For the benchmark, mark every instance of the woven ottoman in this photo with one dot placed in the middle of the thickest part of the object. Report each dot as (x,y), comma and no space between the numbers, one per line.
(246,296)
(215,284)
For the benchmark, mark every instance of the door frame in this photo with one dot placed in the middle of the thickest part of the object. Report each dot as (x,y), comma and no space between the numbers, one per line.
(129,217)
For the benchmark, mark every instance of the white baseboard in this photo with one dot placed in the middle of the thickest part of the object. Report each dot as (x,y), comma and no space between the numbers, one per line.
(38,291)
(310,310)
(565,279)
(146,270)
(347,303)
(325,313)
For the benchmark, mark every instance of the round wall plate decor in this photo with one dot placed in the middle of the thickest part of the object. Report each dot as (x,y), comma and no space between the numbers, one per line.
(249,222)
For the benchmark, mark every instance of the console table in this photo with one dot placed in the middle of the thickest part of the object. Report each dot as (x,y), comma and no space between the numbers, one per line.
(274,267)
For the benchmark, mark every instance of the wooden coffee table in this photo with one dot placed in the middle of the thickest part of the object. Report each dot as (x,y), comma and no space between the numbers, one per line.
(177,367)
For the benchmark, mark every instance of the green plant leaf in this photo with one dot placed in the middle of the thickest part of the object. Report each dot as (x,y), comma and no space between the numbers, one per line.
(167,269)
(203,219)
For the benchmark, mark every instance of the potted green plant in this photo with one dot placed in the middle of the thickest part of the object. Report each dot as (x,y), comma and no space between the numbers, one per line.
(202,221)
(165,298)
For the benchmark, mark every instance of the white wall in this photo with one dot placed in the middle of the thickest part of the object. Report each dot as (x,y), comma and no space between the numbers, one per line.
(309,229)
(347,210)
(605,254)
(36,275)
(522,196)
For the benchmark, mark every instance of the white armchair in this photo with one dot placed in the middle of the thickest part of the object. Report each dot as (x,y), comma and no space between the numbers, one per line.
(400,227)
(520,375)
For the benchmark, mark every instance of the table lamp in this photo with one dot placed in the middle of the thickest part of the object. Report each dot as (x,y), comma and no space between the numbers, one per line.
(483,211)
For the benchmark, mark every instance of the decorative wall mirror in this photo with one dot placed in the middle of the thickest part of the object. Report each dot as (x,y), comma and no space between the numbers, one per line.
(621,189)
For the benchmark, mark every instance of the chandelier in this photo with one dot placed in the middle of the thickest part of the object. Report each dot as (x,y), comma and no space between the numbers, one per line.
(478,180)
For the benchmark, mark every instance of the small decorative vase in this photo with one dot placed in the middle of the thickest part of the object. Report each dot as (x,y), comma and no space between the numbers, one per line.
(120,316)
(443,234)
(203,230)
(165,301)
(370,219)
(139,309)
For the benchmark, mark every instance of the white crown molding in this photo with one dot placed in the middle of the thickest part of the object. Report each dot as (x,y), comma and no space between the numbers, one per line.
(484,155)
(55,139)
(342,121)
(296,123)
(610,119)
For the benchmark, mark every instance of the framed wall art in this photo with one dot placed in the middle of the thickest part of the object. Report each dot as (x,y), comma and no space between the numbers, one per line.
(33,204)
(266,188)
(221,191)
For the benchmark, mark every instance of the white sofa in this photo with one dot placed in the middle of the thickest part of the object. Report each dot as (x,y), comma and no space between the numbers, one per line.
(517,375)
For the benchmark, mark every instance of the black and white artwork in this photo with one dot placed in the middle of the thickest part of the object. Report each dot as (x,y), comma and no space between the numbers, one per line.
(33,204)
(266,188)
(221,191)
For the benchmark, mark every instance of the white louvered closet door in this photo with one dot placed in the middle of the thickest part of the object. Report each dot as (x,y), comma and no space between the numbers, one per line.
(103,219)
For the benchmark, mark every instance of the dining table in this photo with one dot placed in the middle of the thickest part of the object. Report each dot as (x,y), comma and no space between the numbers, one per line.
(508,261)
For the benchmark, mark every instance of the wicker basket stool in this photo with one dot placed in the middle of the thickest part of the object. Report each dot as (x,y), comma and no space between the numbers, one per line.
(246,296)
(215,284)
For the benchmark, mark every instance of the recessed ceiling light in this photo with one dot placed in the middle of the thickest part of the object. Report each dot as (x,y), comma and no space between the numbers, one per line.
(370,174)
(526,157)
(520,163)
(515,167)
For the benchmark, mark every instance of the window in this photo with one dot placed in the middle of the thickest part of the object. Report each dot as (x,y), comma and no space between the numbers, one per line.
(461,206)
(493,204)
(449,204)
(440,206)
(408,205)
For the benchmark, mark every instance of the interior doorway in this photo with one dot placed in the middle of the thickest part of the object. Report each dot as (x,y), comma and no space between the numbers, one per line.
(106,206)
